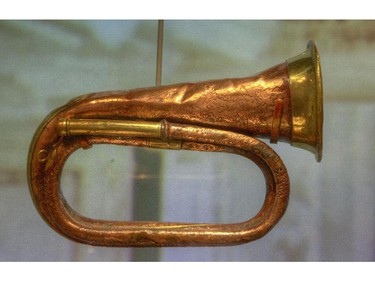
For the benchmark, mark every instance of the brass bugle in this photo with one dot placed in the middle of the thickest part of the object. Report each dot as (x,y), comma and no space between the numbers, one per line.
(282,103)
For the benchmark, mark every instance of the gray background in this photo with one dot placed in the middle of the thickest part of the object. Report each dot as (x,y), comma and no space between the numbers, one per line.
(331,211)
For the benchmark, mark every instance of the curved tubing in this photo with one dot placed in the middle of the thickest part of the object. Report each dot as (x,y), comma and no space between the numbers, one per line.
(284,102)
(45,173)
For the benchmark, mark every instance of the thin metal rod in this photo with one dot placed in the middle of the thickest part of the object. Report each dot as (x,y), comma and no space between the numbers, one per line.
(149,162)
(159,57)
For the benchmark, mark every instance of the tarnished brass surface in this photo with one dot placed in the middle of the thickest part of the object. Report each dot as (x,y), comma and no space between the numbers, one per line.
(221,116)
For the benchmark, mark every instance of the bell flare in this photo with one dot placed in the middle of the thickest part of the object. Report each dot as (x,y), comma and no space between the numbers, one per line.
(306,92)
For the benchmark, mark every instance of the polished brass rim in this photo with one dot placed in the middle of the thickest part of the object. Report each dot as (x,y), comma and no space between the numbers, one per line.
(307,100)
(319,101)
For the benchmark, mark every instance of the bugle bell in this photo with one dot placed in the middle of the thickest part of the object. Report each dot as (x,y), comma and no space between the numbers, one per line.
(282,103)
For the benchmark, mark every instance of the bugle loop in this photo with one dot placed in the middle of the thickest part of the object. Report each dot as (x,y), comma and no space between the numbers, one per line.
(283,103)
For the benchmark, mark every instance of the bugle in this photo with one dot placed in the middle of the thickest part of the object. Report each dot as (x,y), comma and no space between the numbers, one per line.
(282,103)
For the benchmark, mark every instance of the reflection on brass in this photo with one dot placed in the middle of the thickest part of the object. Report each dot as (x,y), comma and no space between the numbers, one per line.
(283,103)
(112,128)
